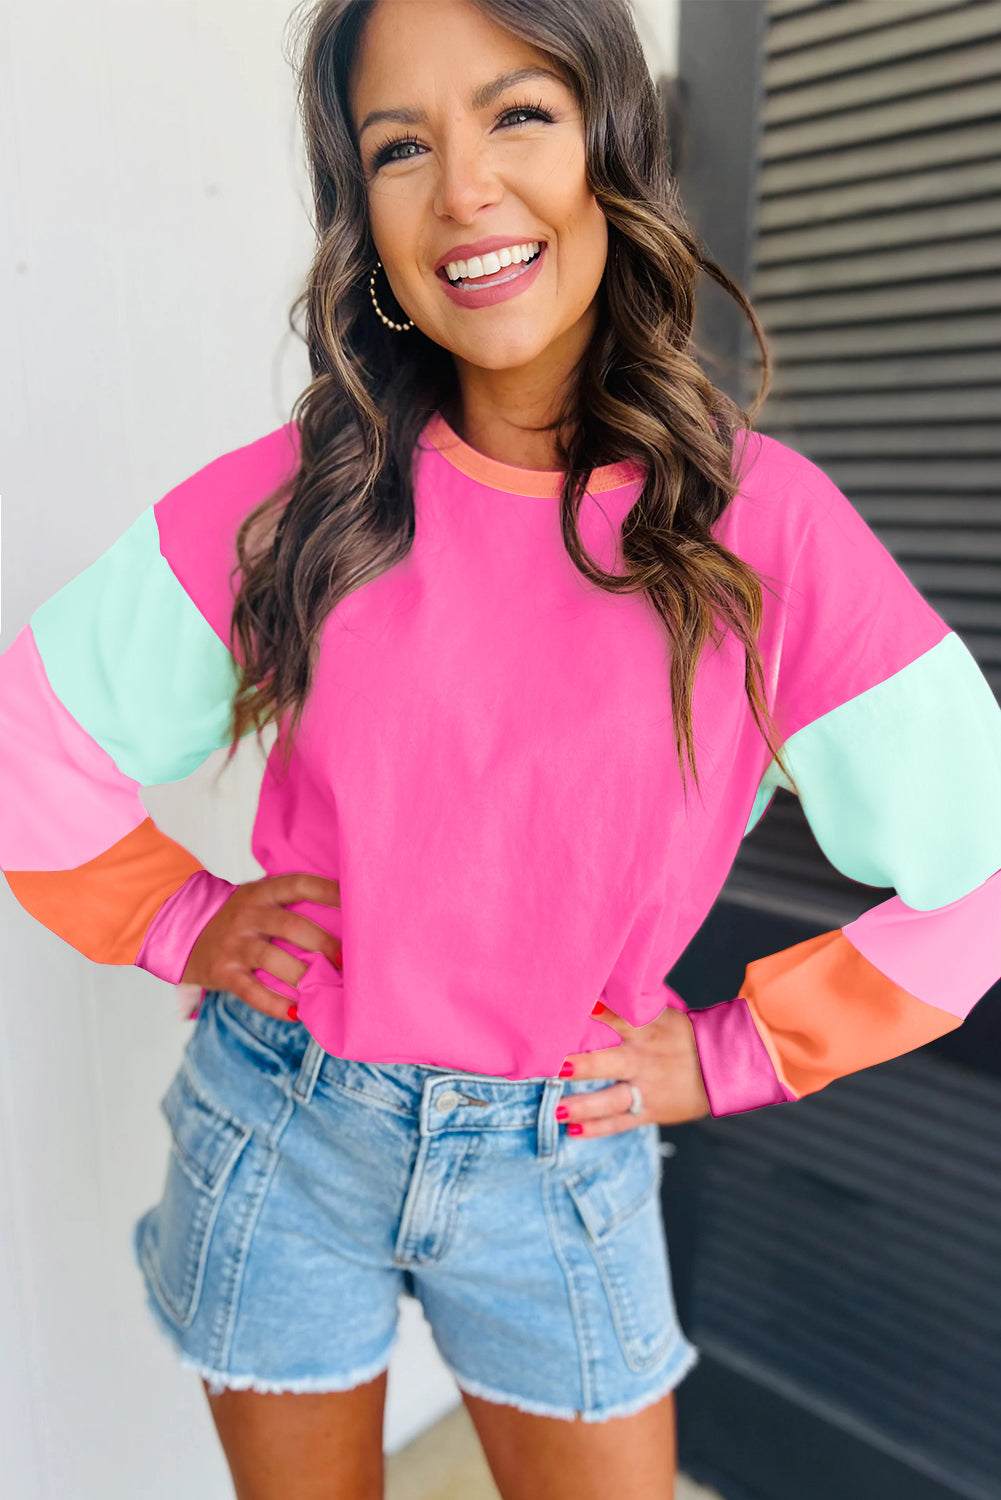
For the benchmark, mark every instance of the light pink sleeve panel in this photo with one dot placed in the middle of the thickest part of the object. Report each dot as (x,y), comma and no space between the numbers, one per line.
(179,922)
(198,519)
(72,801)
(947,958)
(736,1069)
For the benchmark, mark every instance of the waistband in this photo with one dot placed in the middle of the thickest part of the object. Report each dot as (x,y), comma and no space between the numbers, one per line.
(443,1100)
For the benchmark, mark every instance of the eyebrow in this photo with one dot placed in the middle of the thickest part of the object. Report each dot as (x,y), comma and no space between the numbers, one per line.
(481,97)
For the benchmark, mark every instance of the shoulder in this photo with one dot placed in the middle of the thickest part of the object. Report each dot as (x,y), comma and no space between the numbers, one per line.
(841,614)
(231,483)
(781,501)
(791,520)
(197,520)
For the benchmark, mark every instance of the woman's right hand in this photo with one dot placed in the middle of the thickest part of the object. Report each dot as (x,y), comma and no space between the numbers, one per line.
(235,941)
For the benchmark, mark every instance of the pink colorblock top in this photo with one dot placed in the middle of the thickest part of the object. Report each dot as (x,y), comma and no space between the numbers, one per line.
(487,765)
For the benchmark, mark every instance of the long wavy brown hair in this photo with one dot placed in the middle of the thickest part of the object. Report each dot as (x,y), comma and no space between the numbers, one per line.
(347,513)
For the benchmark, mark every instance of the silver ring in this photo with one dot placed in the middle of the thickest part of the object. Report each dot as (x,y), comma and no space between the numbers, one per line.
(636,1108)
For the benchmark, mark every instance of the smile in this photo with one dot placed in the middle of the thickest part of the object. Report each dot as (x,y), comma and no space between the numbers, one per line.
(484,291)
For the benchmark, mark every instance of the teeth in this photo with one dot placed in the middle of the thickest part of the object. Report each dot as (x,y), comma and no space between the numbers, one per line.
(491,263)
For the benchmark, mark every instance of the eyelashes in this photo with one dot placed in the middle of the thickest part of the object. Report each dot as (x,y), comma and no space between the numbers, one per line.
(384,153)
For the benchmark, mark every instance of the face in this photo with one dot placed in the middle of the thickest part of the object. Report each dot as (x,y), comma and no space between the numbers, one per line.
(507,167)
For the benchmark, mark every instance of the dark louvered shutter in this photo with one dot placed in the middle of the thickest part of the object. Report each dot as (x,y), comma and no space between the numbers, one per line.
(838,1261)
(876,272)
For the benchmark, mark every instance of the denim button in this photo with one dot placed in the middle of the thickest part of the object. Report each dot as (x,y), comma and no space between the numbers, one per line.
(448,1100)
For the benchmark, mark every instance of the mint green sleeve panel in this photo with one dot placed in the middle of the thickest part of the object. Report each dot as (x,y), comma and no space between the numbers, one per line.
(762,798)
(901,785)
(134,661)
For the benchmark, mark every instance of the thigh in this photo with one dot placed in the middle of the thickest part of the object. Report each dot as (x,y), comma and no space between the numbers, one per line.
(549,1458)
(315,1446)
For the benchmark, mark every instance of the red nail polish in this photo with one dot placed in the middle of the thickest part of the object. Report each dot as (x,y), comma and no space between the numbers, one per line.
(561,1111)
(339,961)
(567,1070)
(293,1012)
(575,1128)
(598,1008)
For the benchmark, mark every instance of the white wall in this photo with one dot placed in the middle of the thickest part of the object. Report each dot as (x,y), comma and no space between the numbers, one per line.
(154,230)
(657,25)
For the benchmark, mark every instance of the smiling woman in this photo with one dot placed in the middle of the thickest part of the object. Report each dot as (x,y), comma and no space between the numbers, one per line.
(509,163)
(537,125)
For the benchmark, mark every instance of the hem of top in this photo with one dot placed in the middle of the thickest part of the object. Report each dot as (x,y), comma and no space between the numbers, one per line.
(676,1373)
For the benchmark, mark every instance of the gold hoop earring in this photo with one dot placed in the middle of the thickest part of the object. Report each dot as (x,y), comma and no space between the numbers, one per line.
(397,327)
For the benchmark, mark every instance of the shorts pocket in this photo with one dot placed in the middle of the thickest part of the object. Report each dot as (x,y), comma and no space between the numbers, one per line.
(273,1045)
(205,1143)
(618,1201)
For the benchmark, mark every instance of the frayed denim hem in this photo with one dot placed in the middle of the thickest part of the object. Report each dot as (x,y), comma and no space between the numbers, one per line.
(220,1380)
(674,1377)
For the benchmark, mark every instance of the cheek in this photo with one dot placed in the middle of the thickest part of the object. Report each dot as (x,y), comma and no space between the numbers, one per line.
(582,224)
(597,224)
(393,233)
(586,243)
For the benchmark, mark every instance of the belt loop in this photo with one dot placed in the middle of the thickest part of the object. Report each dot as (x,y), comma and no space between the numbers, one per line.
(549,1130)
(309,1070)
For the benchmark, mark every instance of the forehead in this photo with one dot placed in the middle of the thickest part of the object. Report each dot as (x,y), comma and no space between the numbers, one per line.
(401,64)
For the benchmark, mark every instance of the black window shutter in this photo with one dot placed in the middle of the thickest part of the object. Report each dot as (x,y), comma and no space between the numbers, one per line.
(874,264)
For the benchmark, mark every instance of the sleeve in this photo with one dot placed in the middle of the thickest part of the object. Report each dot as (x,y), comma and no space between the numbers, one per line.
(893,738)
(121,680)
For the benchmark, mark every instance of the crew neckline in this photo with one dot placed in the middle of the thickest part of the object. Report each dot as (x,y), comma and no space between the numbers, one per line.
(512,480)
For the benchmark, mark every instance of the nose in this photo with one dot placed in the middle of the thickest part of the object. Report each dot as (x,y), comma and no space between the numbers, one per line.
(467,184)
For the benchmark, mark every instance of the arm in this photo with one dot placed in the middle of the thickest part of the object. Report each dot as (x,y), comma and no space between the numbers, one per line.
(123,680)
(893,738)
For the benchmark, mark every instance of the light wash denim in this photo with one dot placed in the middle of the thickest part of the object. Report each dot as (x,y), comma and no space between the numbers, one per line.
(305,1193)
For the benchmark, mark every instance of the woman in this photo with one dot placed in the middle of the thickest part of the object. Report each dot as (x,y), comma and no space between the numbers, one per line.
(541,624)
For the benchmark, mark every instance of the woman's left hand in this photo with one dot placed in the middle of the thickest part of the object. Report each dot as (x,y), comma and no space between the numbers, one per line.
(660,1058)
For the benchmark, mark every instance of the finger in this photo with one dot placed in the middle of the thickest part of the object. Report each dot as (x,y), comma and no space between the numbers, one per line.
(257,953)
(281,889)
(251,990)
(612,1062)
(598,1103)
(618,1023)
(300,930)
(608,1125)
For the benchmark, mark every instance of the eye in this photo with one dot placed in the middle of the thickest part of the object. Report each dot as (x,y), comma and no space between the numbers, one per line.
(385,152)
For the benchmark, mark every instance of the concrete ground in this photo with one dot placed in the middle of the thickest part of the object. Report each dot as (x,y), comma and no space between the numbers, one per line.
(447,1463)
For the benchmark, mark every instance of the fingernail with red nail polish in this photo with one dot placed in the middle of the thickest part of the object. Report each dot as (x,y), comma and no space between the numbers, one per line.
(598,1008)
(575,1128)
(567,1070)
(561,1111)
(293,1012)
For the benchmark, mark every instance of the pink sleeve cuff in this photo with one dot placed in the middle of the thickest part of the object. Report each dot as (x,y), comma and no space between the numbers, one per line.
(672,998)
(171,935)
(736,1068)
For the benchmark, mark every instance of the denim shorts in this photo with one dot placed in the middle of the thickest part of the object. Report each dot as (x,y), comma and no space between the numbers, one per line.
(305,1193)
